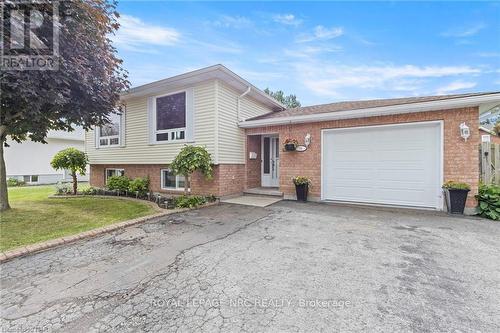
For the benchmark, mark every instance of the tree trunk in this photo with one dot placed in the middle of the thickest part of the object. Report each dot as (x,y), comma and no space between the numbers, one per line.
(75,182)
(186,184)
(4,194)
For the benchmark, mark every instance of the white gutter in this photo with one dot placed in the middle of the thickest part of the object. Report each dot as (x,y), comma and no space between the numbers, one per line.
(376,111)
(487,130)
(239,103)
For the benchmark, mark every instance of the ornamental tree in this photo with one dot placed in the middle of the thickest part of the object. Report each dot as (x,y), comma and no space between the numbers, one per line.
(189,160)
(73,160)
(83,91)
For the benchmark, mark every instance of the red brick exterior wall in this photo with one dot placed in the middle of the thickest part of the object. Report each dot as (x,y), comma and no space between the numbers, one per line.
(253,166)
(227,178)
(461,158)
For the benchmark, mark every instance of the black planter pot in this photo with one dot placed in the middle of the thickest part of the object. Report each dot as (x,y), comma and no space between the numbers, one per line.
(455,200)
(290,147)
(301,191)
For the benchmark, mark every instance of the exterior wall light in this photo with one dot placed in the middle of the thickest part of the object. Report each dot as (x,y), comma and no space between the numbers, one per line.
(464,131)
(307,140)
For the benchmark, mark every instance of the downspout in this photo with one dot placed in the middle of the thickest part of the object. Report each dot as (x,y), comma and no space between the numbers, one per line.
(239,103)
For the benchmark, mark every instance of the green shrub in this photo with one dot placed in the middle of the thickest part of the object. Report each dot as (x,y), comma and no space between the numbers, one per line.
(189,201)
(89,191)
(13,182)
(63,188)
(452,185)
(140,185)
(118,183)
(489,201)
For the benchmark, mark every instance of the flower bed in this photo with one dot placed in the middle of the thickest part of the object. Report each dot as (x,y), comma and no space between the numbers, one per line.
(163,201)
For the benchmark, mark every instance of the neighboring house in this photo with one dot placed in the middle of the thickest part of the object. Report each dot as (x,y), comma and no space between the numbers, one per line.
(30,161)
(488,135)
(391,152)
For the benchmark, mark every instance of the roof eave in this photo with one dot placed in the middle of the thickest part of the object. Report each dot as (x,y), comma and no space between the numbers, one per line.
(376,111)
(199,76)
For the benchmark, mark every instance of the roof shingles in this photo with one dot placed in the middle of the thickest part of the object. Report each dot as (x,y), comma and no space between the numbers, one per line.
(356,105)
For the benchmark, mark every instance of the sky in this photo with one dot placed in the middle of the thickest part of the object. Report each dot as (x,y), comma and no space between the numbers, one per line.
(320,51)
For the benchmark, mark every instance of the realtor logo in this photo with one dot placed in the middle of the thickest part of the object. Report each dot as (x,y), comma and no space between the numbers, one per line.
(29,36)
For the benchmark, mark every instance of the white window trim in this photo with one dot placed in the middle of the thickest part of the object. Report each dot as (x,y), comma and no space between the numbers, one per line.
(120,135)
(106,173)
(188,130)
(176,188)
(31,179)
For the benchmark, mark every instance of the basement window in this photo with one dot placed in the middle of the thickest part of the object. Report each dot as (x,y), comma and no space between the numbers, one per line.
(30,179)
(169,181)
(114,172)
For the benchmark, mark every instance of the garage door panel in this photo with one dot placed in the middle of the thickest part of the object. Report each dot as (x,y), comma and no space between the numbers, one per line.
(397,165)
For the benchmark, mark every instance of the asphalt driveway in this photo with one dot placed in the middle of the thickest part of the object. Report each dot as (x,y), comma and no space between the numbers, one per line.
(290,267)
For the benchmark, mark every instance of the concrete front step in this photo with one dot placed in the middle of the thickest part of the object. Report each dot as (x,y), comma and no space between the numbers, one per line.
(268,191)
(253,200)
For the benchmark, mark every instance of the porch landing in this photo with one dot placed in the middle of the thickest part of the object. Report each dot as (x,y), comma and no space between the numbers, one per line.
(267,191)
(253,200)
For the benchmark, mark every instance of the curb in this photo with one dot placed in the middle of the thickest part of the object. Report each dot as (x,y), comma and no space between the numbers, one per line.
(49,244)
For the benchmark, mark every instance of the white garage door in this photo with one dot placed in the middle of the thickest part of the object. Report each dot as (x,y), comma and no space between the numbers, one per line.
(394,164)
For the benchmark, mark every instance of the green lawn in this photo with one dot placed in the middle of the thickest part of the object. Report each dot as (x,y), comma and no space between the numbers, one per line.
(35,218)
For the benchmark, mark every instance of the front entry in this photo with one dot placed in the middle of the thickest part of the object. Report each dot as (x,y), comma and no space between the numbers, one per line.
(270,161)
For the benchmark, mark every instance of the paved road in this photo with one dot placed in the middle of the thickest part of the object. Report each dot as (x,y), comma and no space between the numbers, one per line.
(291,267)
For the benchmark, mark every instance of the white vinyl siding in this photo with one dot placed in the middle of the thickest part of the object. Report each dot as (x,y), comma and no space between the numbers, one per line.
(33,158)
(231,138)
(215,123)
(137,148)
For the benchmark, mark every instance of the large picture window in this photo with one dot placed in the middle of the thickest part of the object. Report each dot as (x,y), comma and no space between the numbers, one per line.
(170,117)
(169,181)
(109,134)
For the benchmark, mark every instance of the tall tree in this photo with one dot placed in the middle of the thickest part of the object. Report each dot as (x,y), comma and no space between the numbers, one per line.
(84,91)
(290,101)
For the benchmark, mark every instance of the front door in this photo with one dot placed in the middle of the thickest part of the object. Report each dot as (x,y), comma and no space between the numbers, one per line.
(270,161)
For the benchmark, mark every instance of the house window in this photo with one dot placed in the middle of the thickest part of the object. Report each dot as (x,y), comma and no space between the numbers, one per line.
(170,117)
(109,134)
(169,181)
(30,179)
(114,172)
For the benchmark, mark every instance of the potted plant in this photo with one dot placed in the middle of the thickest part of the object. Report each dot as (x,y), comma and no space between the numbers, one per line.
(291,144)
(456,196)
(301,187)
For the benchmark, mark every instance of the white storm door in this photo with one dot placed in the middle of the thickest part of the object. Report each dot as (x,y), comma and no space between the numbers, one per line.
(270,161)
